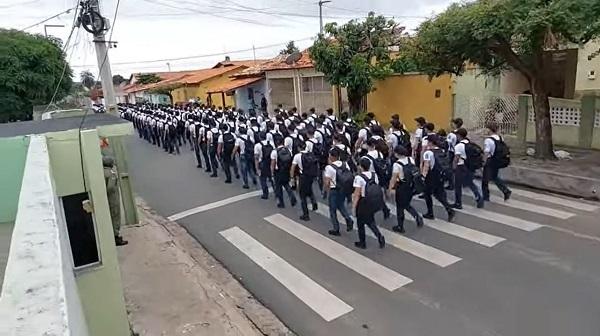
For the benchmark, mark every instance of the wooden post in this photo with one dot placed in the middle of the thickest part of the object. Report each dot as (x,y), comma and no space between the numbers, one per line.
(223,99)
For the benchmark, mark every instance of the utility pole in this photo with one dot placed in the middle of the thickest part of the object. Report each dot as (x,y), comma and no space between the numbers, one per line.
(321,2)
(102,47)
(169,66)
(254,52)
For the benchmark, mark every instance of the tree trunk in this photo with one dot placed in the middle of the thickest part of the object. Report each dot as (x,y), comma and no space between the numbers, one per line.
(355,101)
(544,148)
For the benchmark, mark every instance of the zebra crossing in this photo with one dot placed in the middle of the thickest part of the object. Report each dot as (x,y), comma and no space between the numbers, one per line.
(328,306)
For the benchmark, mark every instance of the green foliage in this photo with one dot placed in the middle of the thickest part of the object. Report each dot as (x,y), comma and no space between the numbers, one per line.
(147,78)
(30,69)
(290,48)
(356,54)
(87,79)
(503,34)
(118,79)
(497,34)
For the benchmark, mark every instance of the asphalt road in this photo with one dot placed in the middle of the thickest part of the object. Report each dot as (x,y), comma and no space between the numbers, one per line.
(530,267)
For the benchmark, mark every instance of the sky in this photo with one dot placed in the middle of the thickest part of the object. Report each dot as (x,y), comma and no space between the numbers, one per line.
(152,33)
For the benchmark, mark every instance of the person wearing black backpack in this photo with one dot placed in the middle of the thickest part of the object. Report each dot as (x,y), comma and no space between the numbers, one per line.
(367,199)
(406,181)
(433,171)
(496,156)
(338,183)
(226,144)
(244,145)
(281,164)
(262,162)
(306,166)
(467,158)
(381,166)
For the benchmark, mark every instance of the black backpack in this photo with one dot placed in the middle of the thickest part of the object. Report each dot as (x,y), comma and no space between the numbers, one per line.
(474,156)
(442,164)
(295,142)
(382,168)
(255,133)
(501,157)
(276,136)
(413,177)
(284,161)
(248,147)
(228,143)
(344,179)
(352,129)
(373,200)
(403,140)
(310,164)
(266,156)
(383,147)
(319,151)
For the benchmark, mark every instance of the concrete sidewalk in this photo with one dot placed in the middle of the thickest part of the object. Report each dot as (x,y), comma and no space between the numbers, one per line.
(174,287)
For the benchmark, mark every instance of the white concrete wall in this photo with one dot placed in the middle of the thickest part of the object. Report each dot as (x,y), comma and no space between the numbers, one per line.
(39,295)
(584,66)
(241,95)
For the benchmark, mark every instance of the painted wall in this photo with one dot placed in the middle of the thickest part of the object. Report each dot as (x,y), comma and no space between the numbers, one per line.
(473,83)
(411,96)
(242,99)
(584,66)
(13,152)
(99,287)
(184,94)
(287,87)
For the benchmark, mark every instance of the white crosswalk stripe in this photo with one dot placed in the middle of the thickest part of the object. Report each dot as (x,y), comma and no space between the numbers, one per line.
(511,221)
(327,305)
(418,249)
(551,199)
(459,231)
(364,266)
(516,204)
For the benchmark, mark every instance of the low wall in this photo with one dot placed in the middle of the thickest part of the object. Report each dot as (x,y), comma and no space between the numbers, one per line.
(40,295)
(596,132)
(13,152)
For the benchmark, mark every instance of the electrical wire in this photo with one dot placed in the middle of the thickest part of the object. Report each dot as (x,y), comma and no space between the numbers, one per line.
(200,56)
(50,18)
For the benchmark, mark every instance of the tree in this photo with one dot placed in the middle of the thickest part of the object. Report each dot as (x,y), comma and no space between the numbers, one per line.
(509,34)
(290,48)
(118,79)
(32,69)
(166,90)
(147,78)
(356,54)
(88,79)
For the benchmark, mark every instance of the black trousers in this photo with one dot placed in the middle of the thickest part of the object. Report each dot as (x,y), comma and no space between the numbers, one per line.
(434,186)
(204,150)
(227,163)
(305,191)
(491,173)
(404,195)
(197,153)
(365,217)
(451,183)
(214,163)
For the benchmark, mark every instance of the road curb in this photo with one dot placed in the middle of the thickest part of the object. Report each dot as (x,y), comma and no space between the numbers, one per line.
(547,180)
(256,313)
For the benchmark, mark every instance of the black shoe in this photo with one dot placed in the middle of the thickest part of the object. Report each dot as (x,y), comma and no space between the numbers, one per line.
(119,241)
(451,214)
(399,229)
(419,221)
(449,188)
(381,241)
(422,196)
(456,206)
(315,207)
(254,182)
(305,217)
(281,206)
(486,199)
(507,195)
(207,170)
(386,214)
(334,232)
(293,202)
(265,197)
(237,177)
(349,226)
(480,204)
(198,166)
(214,175)
(293,187)
(245,186)
(429,216)
(228,181)
(360,245)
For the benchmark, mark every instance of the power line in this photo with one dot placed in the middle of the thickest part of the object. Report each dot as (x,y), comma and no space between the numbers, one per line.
(49,18)
(202,56)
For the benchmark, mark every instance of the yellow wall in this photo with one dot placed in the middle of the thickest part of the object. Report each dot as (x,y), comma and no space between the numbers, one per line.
(411,96)
(201,89)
